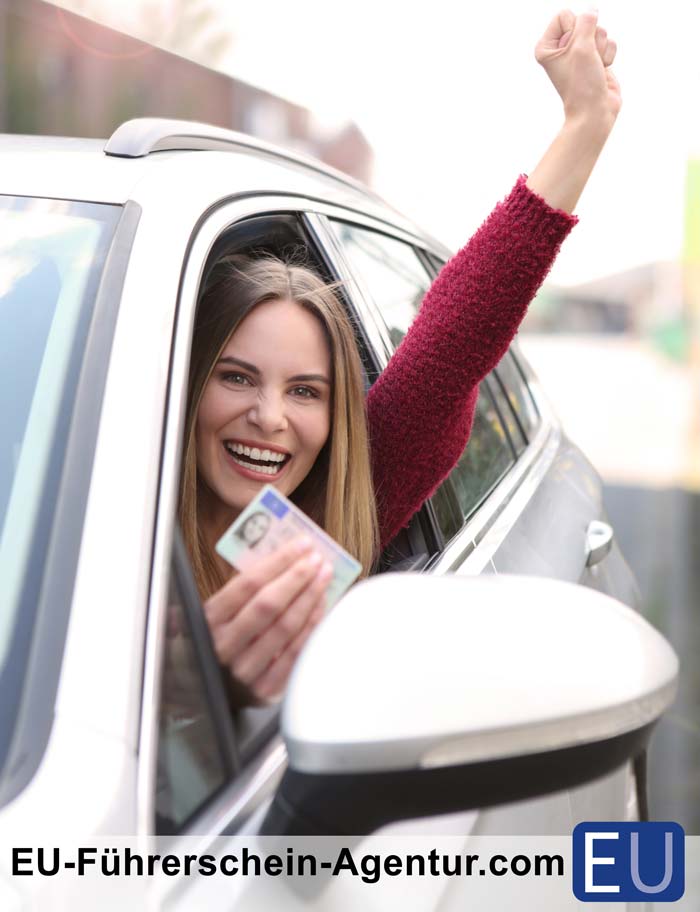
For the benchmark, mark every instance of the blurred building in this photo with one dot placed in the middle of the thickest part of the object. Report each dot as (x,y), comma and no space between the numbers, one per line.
(656,302)
(63,74)
(647,301)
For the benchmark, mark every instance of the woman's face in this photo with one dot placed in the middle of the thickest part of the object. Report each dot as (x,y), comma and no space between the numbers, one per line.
(265,412)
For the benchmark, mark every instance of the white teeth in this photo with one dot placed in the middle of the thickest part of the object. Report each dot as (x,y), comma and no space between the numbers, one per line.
(262,470)
(255,452)
(236,448)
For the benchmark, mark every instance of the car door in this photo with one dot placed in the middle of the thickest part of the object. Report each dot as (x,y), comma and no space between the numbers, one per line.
(202,771)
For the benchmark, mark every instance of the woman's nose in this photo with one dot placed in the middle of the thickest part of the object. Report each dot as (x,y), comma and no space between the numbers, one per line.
(268,413)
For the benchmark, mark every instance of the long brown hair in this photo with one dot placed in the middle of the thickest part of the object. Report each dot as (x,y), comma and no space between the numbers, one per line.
(337,493)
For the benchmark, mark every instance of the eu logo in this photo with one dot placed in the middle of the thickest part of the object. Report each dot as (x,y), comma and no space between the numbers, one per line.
(625,862)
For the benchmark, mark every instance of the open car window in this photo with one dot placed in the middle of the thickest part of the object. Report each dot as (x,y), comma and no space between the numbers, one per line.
(205,744)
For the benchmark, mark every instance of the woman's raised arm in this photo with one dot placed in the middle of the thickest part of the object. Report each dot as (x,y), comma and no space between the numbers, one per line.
(420,410)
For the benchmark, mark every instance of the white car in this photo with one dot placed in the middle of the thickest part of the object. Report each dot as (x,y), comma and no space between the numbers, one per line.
(427,691)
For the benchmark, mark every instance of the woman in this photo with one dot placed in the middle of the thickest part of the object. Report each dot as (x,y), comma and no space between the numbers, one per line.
(262,410)
(276,391)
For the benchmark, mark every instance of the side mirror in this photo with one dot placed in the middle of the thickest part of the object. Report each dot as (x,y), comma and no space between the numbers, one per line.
(423,695)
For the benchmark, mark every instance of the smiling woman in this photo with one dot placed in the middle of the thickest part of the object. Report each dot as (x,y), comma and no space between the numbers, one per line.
(264,418)
(276,395)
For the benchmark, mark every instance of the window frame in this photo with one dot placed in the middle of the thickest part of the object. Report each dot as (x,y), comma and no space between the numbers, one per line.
(256,780)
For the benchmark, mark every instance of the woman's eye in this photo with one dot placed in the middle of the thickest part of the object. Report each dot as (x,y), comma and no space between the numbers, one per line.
(235,379)
(305,392)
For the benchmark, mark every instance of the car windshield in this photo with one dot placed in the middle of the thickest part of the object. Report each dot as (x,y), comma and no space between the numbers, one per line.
(52,254)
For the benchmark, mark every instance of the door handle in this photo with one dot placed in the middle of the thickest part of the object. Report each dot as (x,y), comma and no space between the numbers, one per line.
(599,541)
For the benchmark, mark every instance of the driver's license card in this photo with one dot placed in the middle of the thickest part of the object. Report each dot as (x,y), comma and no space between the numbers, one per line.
(269,521)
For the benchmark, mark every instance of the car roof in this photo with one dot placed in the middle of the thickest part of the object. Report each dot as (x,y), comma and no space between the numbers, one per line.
(141,151)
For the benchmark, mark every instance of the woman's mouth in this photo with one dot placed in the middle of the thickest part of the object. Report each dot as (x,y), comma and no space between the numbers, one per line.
(256,460)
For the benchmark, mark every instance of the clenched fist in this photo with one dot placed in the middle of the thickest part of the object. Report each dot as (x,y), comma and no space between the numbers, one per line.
(577,54)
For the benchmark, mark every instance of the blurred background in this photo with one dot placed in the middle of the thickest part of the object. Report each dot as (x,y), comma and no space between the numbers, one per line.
(439,108)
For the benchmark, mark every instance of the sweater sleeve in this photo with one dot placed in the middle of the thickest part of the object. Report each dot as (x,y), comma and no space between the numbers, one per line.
(421,408)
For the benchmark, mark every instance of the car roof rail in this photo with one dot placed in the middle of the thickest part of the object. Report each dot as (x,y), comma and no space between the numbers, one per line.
(139,137)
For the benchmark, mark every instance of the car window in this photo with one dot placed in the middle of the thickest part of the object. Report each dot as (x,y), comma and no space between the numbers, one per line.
(52,258)
(506,413)
(398,281)
(518,394)
(52,253)
(486,458)
(394,275)
(447,511)
(191,765)
(390,270)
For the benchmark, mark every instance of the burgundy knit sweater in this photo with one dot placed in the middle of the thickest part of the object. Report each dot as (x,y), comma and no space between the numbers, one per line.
(421,408)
